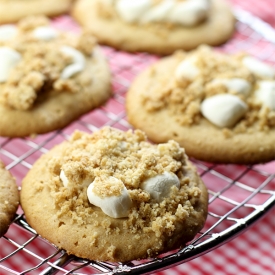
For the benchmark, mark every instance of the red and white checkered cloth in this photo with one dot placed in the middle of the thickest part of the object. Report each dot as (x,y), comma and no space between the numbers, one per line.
(252,253)
(264,9)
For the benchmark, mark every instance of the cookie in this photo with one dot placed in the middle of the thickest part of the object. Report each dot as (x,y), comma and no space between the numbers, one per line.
(9,199)
(14,10)
(158,27)
(113,196)
(219,107)
(48,78)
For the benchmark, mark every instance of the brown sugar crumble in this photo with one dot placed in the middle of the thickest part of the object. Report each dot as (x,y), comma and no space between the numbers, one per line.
(41,65)
(129,158)
(107,186)
(183,97)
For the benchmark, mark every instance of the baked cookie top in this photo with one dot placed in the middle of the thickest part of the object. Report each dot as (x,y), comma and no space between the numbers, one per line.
(210,99)
(9,199)
(14,10)
(113,196)
(157,26)
(46,74)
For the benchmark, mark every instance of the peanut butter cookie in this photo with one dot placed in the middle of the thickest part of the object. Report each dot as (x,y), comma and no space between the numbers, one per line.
(9,199)
(113,196)
(48,78)
(220,108)
(14,10)
(156,26)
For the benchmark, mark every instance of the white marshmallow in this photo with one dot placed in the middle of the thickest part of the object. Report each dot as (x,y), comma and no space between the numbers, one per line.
(45,33)
(223,110)
(66,182)
(64,179)
(187,13)
(7,32)
(258,67)
(266,94)
(9,58)
(71,70)
(77,56)
(187,69)
(123,146)
(239,85)
(78,64)
(159,187)
(132,11)
(113,206)
(159,12)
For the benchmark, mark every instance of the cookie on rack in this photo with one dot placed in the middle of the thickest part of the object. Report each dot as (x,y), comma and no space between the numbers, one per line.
(156,26)
(48,78)
(113,196)
(219,107)
(9,199)
(14,10)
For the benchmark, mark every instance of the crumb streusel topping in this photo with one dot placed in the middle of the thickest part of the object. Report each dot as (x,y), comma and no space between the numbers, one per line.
(42,63)
(183,97)
(128,157)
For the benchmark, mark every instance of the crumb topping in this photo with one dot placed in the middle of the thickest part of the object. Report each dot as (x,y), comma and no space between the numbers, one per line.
(41,65)
(183,97)
(107,186)
(128,157)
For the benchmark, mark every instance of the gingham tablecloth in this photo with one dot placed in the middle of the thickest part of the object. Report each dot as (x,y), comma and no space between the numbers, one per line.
(251,253)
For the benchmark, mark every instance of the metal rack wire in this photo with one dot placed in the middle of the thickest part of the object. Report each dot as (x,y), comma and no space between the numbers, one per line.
(238,195)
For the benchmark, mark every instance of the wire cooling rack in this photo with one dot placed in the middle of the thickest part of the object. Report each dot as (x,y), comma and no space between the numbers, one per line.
(238,195)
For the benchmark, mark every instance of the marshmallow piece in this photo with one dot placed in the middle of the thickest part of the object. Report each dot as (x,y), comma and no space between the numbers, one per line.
(266,94)
(159,12)
(187,69)
(9,58)
(45,33)
(189,13)
(66,182)
(7,32)
(64,179)
(113,206)
(123,146)
(258,67)
(239,85)
(71,70)
(223,110)
(159,187)
(78,64)
(132,11)
(77,56)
